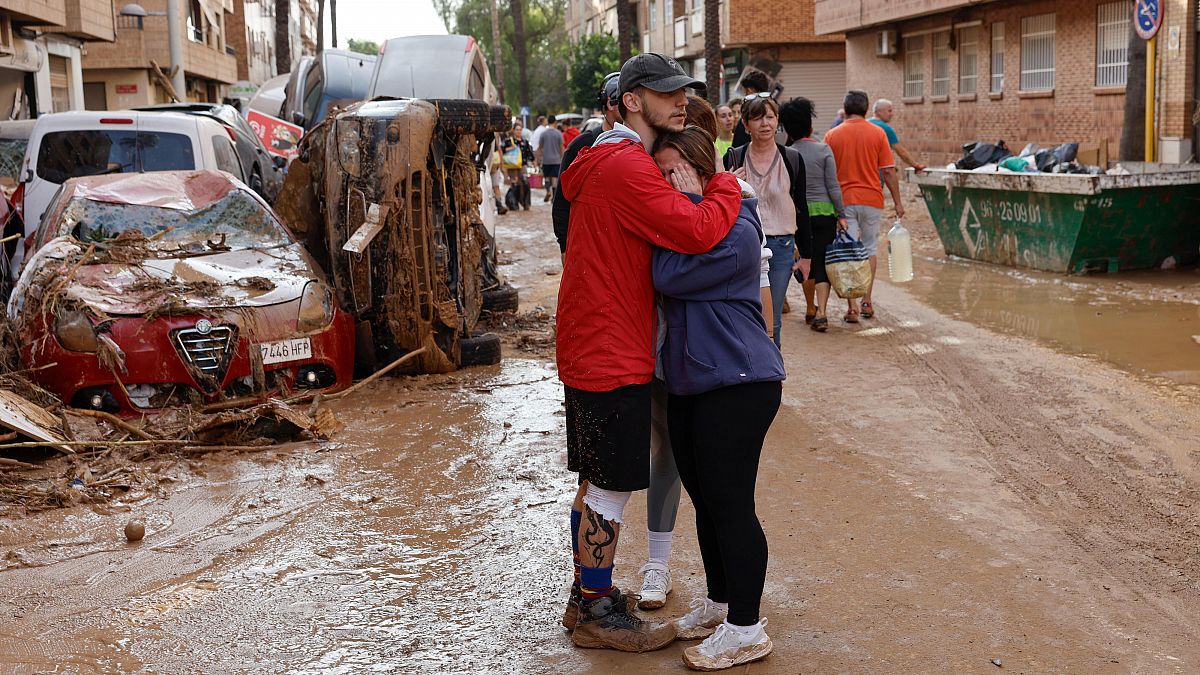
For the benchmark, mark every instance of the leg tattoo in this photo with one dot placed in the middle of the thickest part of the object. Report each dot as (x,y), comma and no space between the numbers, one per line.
(599,534)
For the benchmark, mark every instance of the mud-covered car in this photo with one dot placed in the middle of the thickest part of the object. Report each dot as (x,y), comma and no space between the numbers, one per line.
(386,195)
(148,291)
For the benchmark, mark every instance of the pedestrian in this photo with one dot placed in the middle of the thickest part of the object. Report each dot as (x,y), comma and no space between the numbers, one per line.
(497,175)
(754,81)
(700,113)
(539,128)
(570,133)
(515,156)
(607,100)
(884,113)
(549,156)
(861,152)
(621,207)
(777,175)
(726,120)
(723,375)
(838,118)
(824,196)
(735,104)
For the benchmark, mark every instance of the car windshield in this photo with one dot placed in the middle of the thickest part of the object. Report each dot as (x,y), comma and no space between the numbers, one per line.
(12,153)
(70,154)
(236,221)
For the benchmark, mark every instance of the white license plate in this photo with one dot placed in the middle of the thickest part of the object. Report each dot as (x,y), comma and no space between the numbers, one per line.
(286,350)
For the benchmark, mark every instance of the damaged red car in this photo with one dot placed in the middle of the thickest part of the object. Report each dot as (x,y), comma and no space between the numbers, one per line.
(148,291)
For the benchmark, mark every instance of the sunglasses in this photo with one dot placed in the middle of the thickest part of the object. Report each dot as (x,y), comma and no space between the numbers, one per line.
(761,94)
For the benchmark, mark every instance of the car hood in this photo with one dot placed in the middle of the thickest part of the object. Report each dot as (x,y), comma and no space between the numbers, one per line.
(231,279)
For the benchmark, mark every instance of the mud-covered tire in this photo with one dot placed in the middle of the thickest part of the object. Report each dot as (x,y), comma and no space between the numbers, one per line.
(467,116)
(480,349)
(502,298)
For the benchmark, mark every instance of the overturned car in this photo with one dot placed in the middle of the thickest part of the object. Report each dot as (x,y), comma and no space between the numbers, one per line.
(148,291)
(387,196)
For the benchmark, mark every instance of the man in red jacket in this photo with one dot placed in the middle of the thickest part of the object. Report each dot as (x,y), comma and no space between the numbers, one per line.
(622,206)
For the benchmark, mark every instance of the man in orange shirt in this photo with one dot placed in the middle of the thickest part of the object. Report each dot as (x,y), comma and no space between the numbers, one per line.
(861,151)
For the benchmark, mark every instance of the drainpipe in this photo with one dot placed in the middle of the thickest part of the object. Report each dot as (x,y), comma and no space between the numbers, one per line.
(175,46)
(1151,57)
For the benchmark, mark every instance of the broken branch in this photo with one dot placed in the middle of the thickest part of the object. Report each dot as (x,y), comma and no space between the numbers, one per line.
(115,421)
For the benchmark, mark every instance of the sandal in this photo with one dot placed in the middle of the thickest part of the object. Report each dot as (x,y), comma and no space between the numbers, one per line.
(820,324)
(808,318)
(868,310)
(851,316)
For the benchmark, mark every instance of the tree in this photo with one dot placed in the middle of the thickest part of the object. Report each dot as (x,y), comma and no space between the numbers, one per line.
(333,23)
(363,46)
(1133,129)
(320,26)
(517,8)
(595,56)
(712,50)
(624,29)
(283,42)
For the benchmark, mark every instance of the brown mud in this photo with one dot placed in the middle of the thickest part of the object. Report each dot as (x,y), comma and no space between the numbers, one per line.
(939,490)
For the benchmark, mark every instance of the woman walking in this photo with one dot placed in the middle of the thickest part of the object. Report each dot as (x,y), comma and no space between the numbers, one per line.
(777,175)
(516,154)
(726,121)
(824,195)
(723,376)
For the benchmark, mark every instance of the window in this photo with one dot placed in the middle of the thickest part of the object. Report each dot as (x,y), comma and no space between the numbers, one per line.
(68,154)
(668,11)
(195,22)
(227,159)
(968,60)
(60,83)
(1037,53)
(654,14)
(1112,44)
(914,66)
(941,64)
(590,29)
(997,57)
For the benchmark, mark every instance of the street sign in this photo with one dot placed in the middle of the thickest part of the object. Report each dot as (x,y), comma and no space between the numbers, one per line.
(524,111)
(1147,18)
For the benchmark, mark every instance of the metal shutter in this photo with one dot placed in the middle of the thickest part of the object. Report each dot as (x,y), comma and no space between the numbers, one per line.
(822,82)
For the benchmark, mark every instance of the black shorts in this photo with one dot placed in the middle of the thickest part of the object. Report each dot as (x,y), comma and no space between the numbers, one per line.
(550,170)
(608,437)
(824,230)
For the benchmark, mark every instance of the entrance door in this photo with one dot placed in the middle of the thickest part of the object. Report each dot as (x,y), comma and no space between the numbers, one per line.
(95,97)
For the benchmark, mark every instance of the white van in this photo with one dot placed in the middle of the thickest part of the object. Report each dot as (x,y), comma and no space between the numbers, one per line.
(87,143)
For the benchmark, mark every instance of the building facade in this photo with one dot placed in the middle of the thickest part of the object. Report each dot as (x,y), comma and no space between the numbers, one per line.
(41,47)
(1022,71)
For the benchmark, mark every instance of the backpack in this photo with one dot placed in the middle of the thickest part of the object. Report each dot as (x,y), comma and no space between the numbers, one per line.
(736,157)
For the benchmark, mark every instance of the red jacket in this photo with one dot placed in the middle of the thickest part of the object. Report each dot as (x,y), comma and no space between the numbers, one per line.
(622,207)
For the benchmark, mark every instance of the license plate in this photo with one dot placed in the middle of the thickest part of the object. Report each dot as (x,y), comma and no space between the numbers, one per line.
(286,350)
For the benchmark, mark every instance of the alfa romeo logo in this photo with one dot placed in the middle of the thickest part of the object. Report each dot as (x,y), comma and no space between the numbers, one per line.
(204,326)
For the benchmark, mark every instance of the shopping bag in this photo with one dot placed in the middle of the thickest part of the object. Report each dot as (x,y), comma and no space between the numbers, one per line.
(847,266)
(512,157)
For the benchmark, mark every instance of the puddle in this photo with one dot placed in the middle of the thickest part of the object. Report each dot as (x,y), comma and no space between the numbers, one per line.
(1142,322)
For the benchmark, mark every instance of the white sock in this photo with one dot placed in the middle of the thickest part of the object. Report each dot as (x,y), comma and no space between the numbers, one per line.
(659,544)
(744,631)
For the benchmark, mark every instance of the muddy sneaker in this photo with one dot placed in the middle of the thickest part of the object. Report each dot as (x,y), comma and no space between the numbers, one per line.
(704,618)
(729,646)
(609,623)
(571,613)
(656,585)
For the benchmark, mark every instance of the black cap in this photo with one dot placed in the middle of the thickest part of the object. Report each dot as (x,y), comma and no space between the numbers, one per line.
(609,92)
(658,73)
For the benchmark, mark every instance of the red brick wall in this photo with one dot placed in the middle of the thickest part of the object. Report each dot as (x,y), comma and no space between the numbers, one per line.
(936,129)
(767,21)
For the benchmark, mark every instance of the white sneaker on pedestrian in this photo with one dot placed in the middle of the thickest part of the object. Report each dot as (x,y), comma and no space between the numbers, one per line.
(729,646)
(704,618)
(656,585)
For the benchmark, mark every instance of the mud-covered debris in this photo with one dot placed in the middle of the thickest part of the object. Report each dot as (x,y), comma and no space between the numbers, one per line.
(256,284)
(135,531)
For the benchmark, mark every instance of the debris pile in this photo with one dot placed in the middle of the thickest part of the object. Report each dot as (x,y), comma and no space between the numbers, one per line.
(997,158)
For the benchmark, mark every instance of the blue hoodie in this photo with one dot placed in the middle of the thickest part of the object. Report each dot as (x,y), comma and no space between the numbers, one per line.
(716,335)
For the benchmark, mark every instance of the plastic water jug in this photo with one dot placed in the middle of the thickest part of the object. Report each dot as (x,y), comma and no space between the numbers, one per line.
(900,263)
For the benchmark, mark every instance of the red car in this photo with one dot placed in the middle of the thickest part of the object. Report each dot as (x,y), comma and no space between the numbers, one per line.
(147,291)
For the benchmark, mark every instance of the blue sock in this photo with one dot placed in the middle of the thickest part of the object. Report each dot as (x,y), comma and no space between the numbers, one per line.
(576,518)
(595,582)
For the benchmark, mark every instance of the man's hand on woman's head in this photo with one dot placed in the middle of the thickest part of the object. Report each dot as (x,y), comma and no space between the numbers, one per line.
(684,178)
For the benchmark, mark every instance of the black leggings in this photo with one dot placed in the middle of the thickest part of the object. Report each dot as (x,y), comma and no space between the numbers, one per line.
(717,438)
(824,231)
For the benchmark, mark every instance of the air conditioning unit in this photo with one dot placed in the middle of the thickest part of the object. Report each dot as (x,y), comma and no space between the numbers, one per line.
(885,44)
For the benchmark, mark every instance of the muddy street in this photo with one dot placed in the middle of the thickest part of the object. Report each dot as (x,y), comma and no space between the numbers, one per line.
(998,470)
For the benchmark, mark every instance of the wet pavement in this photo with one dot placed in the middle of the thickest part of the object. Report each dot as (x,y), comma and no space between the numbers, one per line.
(946,485)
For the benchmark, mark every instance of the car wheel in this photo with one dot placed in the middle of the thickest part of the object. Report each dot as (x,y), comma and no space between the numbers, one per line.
(466,116)
(502,298)
(480,349)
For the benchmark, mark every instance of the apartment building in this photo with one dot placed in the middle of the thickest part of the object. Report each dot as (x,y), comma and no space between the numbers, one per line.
(1018,70)
(41,44)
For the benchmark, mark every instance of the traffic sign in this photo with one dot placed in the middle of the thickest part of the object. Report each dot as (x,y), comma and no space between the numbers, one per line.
(1147,18)
(524,111)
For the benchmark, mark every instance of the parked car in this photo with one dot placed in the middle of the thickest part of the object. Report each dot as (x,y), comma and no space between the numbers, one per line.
(269,98)
(261,170)
(147,291)
(335,78)
(386,194)
(432,66)
(87,143)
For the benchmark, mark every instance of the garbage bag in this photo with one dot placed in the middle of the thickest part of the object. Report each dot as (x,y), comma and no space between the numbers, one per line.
(848,268)
(1045,159)
(1066,152)
(977,154)
(512,198)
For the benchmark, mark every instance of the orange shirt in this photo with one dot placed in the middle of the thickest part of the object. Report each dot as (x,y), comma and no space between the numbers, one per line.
(861,151)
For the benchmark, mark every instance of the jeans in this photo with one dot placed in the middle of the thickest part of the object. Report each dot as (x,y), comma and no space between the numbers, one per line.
(780,273)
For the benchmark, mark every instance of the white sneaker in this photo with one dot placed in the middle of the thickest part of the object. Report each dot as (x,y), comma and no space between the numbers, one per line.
(656,585)
(729,647)
(704,618)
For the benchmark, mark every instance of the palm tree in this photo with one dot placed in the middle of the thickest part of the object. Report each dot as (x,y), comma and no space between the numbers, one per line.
(320,25)
(625,29)
(712,50)
(333,23)
(283,43)
(517,9)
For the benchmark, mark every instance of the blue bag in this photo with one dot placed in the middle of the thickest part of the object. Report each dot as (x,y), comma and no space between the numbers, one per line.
(847,266)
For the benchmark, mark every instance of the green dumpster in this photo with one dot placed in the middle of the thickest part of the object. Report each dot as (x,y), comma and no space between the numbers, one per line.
(1068,222)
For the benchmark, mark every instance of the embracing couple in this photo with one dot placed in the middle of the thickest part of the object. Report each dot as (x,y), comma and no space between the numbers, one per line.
(658,238)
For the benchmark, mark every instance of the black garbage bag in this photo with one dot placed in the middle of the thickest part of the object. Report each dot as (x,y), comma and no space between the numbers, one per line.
(1066,152)
(1045,159)
(512,198)
(977,154)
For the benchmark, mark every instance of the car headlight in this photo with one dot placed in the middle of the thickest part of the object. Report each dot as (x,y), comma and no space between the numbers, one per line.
(349,134)
(75,332)
(316,307)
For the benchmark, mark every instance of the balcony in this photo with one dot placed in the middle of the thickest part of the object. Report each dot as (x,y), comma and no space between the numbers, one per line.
(840,16)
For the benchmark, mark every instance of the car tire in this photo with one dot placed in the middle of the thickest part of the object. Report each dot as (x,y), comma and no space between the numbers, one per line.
(502,298)
(480,349)
(466,116)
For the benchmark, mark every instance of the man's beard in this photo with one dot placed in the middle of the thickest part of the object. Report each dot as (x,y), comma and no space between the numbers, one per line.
(660,123)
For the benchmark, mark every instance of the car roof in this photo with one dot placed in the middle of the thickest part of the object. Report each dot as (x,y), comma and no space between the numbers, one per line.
(180,190)
(415,66)
(347,73)
(91,119)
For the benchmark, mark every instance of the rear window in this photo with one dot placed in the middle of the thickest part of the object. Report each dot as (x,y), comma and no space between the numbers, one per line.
(70,154)
(12,153)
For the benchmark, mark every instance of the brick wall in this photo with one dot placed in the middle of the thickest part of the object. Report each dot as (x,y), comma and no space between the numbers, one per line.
(766,21)
(1076,110)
